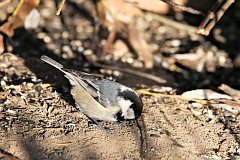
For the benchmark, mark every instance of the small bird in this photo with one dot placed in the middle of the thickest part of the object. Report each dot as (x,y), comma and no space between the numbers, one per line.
(100,99)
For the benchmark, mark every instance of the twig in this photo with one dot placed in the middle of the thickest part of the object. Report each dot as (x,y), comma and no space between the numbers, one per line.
(133,72)
(220,149)
(60,7)
(173,23)
(183,8)
(16,10)
(233,104)
(230,91)
(6,94)
(214,16)
(62,143)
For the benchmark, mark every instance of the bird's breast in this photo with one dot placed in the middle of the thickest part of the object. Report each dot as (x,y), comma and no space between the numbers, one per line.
(92,108)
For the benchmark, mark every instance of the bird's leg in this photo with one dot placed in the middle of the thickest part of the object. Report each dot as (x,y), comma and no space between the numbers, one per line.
(98,125)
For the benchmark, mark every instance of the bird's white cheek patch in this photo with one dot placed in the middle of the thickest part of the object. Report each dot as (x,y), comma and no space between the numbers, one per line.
(124,104)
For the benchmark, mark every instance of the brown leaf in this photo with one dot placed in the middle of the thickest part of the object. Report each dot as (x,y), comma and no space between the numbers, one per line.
(19,14)
(140,45)
(121,10)
(32,20)
(205,94)
(121,16)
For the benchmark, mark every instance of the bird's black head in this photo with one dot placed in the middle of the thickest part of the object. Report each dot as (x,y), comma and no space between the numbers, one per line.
(130,103)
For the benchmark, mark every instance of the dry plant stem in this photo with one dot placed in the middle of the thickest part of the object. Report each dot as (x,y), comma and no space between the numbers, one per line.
(62,143)
(6,94)
(60,7)
(15,12)
(133,72)
(173,23)
(230,91)
(183,8)
(214,16)
(233,104)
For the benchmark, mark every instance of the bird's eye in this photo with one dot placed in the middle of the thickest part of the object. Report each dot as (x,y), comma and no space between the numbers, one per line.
(119,117)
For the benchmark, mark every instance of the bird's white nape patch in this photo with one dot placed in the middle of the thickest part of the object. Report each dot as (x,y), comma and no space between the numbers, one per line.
(124,88)
(125,108)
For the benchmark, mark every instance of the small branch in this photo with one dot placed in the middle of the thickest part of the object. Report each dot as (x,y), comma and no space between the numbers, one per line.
(214,16)
(16,10)
(60,7)
(230,91)
(133,72)
(183,8)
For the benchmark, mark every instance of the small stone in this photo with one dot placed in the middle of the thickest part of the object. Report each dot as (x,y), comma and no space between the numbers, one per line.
(12,112)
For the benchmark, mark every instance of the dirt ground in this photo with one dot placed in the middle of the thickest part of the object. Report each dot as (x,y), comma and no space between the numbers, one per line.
(38,119)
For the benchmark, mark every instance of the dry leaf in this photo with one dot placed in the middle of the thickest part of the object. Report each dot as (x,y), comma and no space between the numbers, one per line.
(32,20)
(138,42)
(19,14)
(120,10)
(205,94)
(121,16)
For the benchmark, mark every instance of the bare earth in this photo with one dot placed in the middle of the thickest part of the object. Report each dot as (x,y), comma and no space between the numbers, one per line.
(37,123)
(38,119)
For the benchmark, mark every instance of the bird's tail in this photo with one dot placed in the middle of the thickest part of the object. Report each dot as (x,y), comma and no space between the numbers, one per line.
(52,62)
(71,77)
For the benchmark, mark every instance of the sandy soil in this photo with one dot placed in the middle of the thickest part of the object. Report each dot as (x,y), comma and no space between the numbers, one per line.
(37,122)
(38,119)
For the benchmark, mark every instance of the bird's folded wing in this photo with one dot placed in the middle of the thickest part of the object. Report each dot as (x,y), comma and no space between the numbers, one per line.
(89,83)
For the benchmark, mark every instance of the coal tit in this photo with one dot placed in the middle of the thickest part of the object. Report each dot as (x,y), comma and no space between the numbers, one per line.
(100,99)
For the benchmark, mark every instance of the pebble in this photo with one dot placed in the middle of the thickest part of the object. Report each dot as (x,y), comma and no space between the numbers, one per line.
(12,112)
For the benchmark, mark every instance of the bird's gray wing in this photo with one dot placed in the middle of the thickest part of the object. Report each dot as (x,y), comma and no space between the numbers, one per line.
(99,88)
(88,81)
